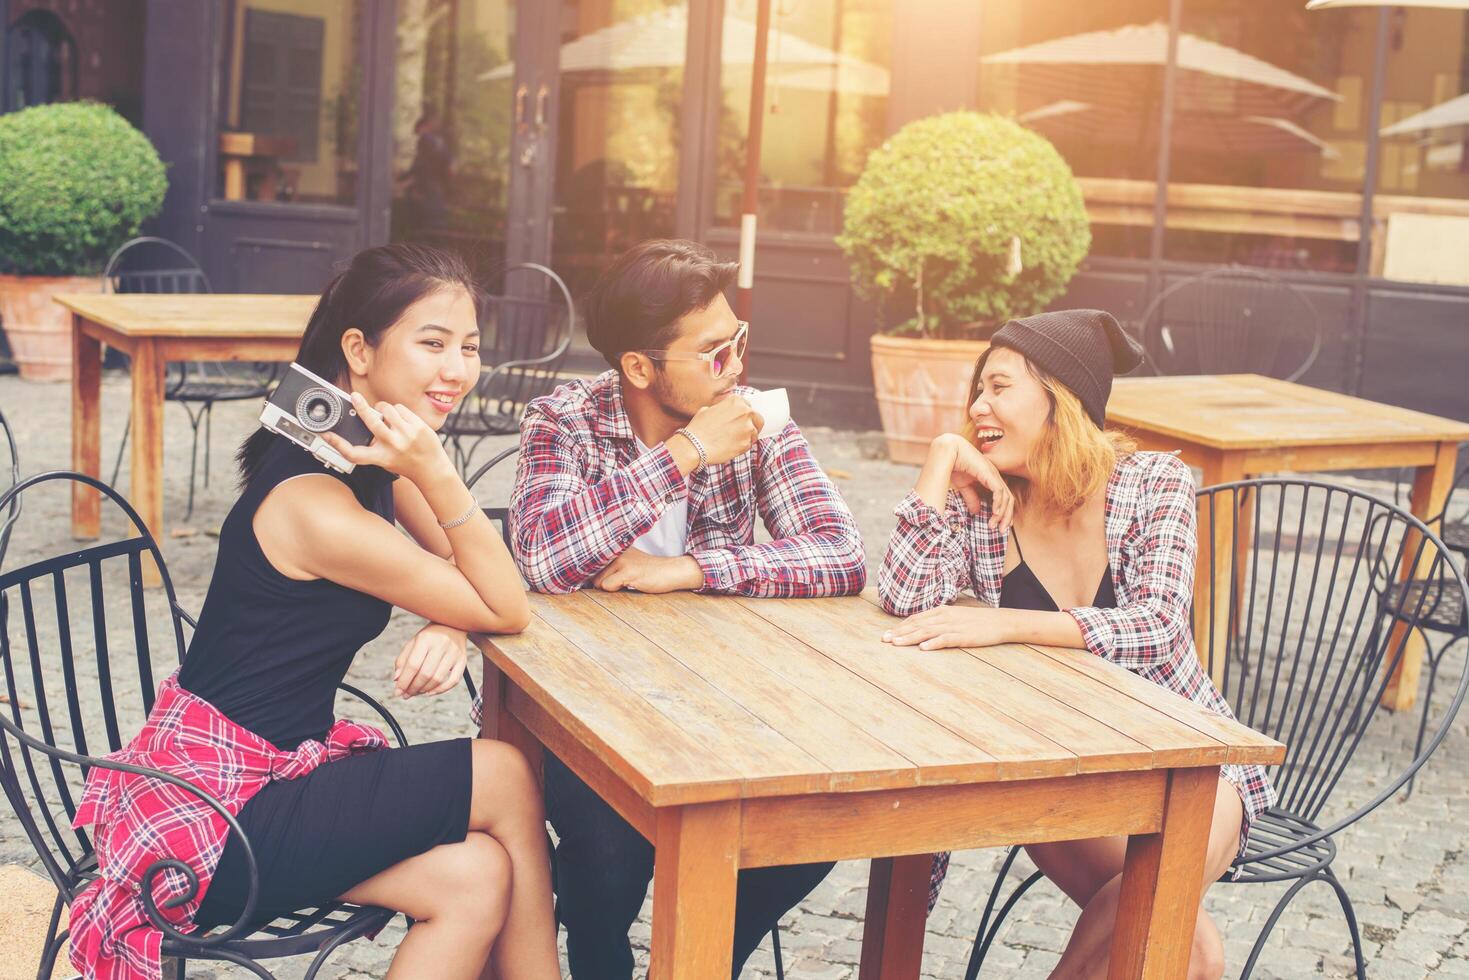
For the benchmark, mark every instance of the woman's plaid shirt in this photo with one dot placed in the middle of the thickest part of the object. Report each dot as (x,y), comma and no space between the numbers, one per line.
(139,820)
(1151,548)
(584,493)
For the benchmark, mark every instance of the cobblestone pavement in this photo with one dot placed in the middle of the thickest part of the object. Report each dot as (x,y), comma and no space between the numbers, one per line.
(1404,866)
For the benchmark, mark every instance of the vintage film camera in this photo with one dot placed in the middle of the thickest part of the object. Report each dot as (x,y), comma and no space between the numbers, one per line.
(304,406)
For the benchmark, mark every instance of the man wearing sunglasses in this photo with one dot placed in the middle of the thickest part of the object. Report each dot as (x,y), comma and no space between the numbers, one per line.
(650,477)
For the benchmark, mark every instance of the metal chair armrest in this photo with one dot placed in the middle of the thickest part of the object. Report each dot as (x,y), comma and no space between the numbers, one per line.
(383,712)
(242,923)
(1447,500)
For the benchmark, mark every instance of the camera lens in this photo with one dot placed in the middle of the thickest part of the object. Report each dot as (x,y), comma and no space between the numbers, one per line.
(317,409)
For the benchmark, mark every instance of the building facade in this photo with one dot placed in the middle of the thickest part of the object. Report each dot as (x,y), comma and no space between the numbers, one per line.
(1326,147)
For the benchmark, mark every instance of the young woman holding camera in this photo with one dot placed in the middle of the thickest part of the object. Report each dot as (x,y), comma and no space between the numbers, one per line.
(310,566)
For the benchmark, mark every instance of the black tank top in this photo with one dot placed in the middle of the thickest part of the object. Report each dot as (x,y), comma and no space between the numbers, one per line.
(270,650)
(1022,590)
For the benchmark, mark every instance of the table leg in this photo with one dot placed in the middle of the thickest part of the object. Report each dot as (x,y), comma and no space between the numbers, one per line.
(498,723)
(695,873)
(1162,883)
(1430,492)
(897,916)
(147,478)
(1218,536)
(86,429)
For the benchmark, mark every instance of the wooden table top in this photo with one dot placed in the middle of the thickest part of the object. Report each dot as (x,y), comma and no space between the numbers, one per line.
(196,315)
(693,698)
(1249,411)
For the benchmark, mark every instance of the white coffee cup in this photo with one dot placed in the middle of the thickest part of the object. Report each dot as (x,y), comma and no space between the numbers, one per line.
(774,406)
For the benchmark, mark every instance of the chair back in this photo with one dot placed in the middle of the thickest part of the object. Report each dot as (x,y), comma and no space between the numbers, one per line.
(527,333)
(9,477)
(499,514)
(81,665)
(1305,622)
(1232,320)
(154,265)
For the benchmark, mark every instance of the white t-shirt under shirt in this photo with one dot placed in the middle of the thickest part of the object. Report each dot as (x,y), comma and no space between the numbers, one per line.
(669,537)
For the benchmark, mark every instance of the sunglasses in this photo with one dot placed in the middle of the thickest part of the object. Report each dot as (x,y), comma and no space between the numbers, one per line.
(719,358)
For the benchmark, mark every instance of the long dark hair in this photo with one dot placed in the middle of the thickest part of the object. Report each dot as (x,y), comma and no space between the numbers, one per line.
(371,294)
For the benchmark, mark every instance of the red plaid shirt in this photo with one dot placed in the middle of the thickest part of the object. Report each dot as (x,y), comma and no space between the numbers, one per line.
(140,820)
(584,493)
(1151,547)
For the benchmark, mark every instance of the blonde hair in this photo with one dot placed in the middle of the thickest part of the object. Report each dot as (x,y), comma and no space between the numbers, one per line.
(1072,460)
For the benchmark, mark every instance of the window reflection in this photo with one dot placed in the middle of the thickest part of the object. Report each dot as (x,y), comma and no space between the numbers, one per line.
(1088,77)
(1269,146)
(451,125)
(291,109)
(826,107)
(1421,214)
(622,72)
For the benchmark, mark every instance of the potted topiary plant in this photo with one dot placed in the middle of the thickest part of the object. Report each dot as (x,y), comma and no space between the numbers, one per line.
(76,181)
(957,224)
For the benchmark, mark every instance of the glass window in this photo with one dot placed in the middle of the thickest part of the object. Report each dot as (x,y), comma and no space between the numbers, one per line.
(1269,135)
(1421,212)
(61,52)
(826,105)
(1088,77)
(451,125)
(290,120)
(617,137)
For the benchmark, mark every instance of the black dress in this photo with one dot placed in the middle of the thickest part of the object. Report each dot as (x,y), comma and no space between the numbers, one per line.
(1022,590)
(269,653)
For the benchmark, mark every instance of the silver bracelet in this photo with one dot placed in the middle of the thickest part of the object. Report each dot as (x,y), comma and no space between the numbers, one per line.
(698,446)
(461,519)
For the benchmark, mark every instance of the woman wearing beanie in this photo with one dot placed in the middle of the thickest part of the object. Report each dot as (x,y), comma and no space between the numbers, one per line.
(1071,538)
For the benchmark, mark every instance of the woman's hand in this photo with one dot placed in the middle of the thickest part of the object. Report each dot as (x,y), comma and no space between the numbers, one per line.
(954,462)
(402,443)
(971,473)
(947,626)
(431,663)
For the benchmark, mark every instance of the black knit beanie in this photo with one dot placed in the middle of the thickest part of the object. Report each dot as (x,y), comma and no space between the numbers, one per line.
(1082,349)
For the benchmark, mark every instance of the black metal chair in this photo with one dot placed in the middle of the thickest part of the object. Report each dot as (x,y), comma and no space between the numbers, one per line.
(1307,624)
(526,340)
(1232,320)
(1455,533)
(157,265)
(55,624)
(11,512)
(500,515)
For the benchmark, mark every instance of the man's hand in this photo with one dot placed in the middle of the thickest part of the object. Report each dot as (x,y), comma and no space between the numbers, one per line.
(726,429)
(947,626)
(431,663)
(642,572)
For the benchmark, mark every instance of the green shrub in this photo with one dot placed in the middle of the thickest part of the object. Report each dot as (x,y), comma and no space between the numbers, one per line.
(930,226)
(76,181)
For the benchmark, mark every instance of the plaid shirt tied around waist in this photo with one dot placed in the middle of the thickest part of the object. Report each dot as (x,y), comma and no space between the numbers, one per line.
(140,820)
(1150,517)
(584,492)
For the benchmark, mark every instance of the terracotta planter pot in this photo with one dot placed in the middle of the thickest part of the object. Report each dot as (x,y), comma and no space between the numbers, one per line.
(921,386)
(38,329)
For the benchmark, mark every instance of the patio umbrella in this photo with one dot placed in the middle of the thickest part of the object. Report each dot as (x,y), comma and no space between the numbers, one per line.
(1446,115)
(657,40)
(1114,67)
(1441,4)
(1197,131)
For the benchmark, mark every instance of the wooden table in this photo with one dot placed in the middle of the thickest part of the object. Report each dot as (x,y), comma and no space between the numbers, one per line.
(153,330)
(738,733)
(1235,426)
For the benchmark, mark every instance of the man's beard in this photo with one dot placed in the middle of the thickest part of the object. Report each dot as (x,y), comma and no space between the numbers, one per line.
(666,395)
